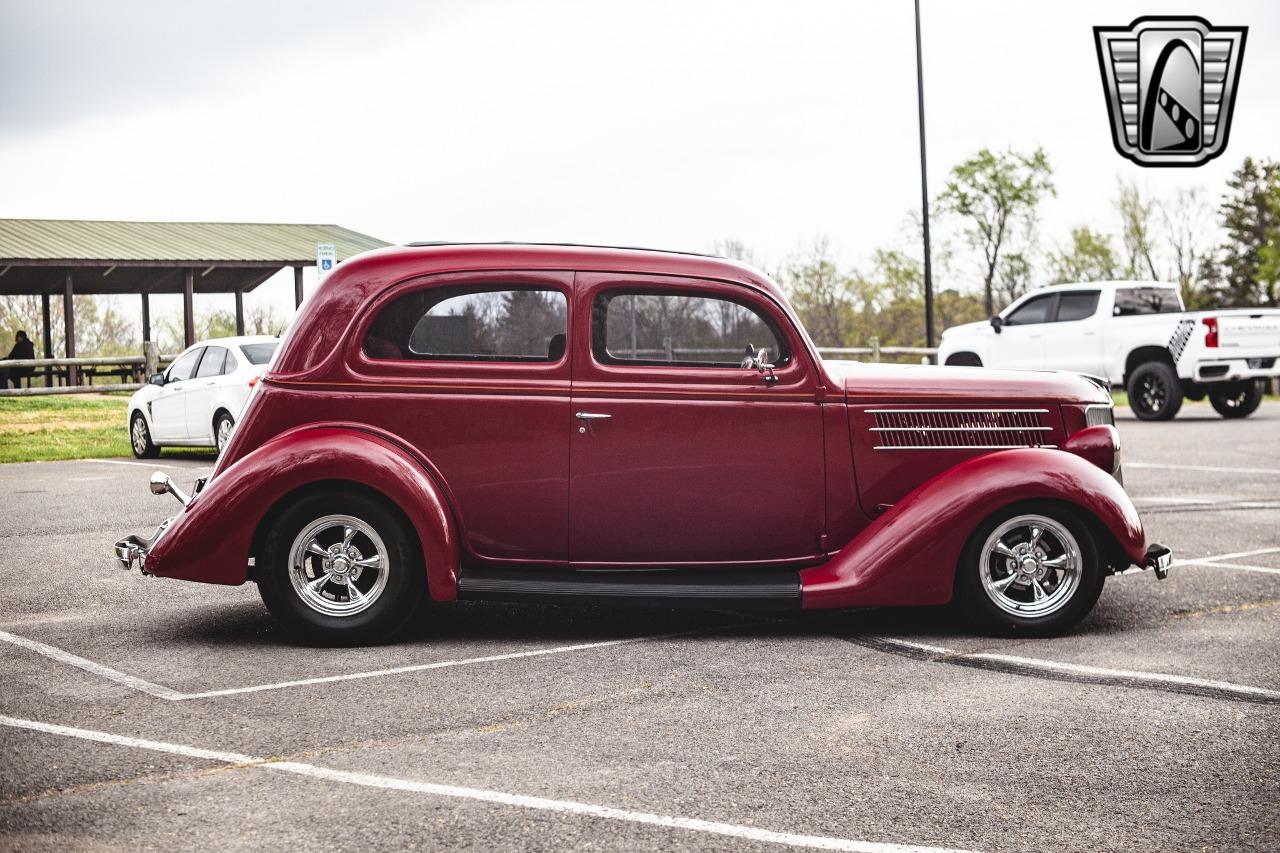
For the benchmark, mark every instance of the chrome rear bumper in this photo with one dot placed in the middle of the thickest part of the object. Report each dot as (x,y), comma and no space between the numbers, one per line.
(132,550)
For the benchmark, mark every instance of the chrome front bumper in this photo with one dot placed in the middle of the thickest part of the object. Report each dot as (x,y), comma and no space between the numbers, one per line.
(132,550)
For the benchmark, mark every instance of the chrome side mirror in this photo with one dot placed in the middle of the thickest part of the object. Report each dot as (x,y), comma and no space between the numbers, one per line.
(161,484)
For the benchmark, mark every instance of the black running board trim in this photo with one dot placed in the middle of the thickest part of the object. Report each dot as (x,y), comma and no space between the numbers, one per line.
(759,590)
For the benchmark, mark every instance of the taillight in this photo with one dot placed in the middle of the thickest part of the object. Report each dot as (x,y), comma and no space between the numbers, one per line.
(253,381)
(1211,336)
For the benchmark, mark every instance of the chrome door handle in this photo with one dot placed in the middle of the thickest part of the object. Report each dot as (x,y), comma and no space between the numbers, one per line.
(591,416)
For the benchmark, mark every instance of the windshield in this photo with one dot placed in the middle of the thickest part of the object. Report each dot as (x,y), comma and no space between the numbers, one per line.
(259,353)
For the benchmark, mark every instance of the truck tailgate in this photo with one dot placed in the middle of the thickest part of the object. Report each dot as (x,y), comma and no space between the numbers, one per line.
(1254,331)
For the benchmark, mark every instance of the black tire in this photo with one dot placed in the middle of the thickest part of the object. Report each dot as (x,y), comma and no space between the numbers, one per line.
(1155,392)
(393,605)
(1238,399)
(218,421)
(140,438)
(964,359)
(978,563)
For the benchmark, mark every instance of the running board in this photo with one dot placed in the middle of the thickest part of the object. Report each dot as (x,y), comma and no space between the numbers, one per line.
(756,590)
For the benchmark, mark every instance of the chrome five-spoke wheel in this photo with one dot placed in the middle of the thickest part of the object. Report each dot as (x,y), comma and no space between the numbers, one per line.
(1031,565)
(339,565)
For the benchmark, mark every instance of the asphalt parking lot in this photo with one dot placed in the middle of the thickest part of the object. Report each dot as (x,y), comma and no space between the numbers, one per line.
(147,714)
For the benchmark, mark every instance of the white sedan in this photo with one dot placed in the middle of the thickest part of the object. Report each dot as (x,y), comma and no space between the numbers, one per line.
(196,401)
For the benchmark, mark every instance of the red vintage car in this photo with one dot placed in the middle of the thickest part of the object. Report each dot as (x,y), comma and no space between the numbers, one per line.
(571,423)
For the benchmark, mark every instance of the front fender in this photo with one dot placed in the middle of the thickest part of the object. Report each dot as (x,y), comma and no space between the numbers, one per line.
(212,539)
(909,554)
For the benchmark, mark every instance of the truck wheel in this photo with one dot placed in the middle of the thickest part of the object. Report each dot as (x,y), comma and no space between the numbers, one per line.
(1155,393)
(964,359)
(140,438)
(1238,399)
(1031,570)
(340,567)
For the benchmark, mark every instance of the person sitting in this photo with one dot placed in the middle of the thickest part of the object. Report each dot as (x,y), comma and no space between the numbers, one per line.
(22,348)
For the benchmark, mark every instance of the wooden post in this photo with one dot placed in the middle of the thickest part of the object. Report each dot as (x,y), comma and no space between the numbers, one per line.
(69,327)
(150,360)
(875,348)
(239,312)
(47,331)
(297,287)
(146,318)
(188,309)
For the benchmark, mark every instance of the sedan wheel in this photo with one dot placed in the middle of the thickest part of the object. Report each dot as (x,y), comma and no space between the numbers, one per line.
(222,430)
(140,438)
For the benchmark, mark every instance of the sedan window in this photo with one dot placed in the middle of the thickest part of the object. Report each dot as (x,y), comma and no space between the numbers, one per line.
(676,329)
(259,353)
(184,366)
(472,324)
(211,364)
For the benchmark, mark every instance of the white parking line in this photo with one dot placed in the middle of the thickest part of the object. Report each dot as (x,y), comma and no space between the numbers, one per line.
(162,692)
(747,833)
(1217,468)
(130,681)
(1216,561)
(139,464)
(1245,690)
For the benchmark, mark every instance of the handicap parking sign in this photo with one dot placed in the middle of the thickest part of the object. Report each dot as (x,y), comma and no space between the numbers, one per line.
(326,257)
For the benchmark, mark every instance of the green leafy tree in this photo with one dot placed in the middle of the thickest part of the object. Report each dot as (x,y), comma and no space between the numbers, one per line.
(821,294)
(1089,257)
(1249,270)
(997,195)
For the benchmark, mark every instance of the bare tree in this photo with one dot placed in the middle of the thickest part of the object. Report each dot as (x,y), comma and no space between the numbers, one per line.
(1136,221)
(1187,221)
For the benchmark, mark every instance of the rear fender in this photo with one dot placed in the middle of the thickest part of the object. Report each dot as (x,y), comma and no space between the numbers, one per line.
(909,554)
(212,539)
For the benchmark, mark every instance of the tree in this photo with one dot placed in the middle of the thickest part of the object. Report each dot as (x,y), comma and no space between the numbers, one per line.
(820,294)
(1088,258)
(1136,217)
(998,195)
(1251,217)
(1186,221)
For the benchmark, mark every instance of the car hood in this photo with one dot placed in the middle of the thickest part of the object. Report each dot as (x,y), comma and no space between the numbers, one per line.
(865,383)
(968,328)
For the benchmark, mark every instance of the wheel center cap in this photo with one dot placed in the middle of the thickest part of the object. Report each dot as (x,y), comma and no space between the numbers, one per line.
(341,565)
(1028,565)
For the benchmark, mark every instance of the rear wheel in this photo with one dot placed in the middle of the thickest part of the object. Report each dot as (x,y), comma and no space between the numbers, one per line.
(1155,393)
(341,567)
(1032,570)
(140,438)
(222,425)
(1237,399)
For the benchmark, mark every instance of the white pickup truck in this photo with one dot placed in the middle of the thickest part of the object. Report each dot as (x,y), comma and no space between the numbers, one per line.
(1135,335)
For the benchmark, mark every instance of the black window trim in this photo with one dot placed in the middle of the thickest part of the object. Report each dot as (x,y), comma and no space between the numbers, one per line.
(195,374)
(194,369)
(600,352)
(1050,313)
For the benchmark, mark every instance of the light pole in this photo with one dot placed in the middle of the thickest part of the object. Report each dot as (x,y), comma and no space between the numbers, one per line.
(924,194)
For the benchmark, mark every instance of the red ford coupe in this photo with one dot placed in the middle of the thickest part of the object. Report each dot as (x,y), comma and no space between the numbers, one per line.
(568,423)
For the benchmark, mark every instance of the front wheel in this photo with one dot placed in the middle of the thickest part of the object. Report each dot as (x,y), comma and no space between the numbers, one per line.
(1031,570)
(222,425)
(140,438)
(1155,392)
(341,567)
(1238,399)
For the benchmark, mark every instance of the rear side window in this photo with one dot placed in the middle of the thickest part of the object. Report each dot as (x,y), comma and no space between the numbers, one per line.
(1133,301)
(1032,311)
(185,366)
(211,364)
(472,324)
(1077,306)
(679,330)
(259,353)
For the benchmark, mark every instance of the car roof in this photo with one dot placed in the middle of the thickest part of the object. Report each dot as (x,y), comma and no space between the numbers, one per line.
(237,340)
(1102,285)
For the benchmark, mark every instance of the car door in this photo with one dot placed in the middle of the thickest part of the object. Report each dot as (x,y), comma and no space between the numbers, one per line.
(680,455)
(202,390)
(471,369)
(1021,340)
(1072,341)
(169,407)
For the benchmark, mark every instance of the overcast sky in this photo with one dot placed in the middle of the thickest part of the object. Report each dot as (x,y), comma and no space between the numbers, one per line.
(668,124)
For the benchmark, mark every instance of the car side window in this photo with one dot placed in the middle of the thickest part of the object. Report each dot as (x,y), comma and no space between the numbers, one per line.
(211,364)
(485,323)
(185,366)
(1077,305)
(1136,301)
(679,330)
(1035,310)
